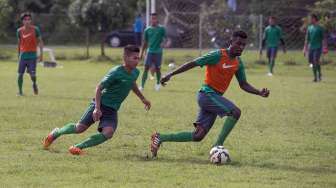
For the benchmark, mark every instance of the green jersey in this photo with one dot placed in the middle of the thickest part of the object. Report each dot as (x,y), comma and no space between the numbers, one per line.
(154,37)
(272,35)
(116,85)
(315,36)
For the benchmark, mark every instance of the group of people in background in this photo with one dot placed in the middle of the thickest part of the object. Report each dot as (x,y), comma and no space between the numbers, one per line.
(314,45)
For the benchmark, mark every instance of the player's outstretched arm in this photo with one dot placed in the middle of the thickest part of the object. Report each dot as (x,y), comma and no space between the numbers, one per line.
(250,89)
(180,69)
(97,112)
(138,93)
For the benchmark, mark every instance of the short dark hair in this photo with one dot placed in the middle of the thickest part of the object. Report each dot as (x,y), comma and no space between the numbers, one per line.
(315,17)
(131,48)
(25,14)
(240,34)
(153,14)
(272,17)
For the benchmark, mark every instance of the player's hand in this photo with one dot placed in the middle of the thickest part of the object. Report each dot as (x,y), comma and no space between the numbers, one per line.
(165,79)
(264,92)
(147,104)
(96,114)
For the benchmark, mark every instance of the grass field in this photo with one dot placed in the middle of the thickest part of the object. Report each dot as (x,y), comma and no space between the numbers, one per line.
(286,140)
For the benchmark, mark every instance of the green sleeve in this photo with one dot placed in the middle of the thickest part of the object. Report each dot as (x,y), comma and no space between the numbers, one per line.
(210,58)
(38,32)
(240,74)
(146,35)
(109,79)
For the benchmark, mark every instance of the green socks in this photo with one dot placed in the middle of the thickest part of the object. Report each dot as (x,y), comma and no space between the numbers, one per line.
(144,78)
(92,141)
(178,137)
(69,128)
(20,83)
(227,127)
(158,77)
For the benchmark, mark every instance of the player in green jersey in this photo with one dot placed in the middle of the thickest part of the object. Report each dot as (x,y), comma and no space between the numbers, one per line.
(314,43)
(272,37)
(153,43)
(110,93)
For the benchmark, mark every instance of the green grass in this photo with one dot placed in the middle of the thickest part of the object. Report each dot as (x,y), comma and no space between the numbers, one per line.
(286,140)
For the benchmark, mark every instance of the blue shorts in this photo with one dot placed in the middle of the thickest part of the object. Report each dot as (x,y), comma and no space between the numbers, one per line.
(30,64)
(314,55)
(153,59)
(109,117)
(212,105)
(272,52)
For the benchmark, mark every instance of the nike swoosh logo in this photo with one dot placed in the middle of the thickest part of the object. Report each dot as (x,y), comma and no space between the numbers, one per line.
(227,66)
(25,36)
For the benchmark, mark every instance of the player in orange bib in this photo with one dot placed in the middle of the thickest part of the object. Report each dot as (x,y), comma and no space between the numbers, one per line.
(221,66)
(29,37)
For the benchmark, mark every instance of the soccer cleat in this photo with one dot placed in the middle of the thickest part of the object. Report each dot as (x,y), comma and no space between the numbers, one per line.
(35,89)
(75,150)
(47,141)
(315,80)
(155,144)
(157,87)
(269,74)
(141,88)
(19,94)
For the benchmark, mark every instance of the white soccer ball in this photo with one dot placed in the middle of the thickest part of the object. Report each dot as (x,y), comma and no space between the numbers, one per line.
(219,155)
(171,66)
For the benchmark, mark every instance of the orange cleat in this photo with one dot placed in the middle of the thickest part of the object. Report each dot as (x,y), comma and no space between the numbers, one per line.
(47,141)
(155,144)
(76,151)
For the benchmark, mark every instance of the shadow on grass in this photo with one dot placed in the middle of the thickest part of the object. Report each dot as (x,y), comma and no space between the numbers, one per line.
(272,166)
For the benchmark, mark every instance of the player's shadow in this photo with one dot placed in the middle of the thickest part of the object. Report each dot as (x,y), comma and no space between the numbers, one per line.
(71,98)
(273,166)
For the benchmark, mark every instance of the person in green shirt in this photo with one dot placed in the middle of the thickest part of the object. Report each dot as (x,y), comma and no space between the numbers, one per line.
(314,41)
(153,42)
(110,93)
(272,37)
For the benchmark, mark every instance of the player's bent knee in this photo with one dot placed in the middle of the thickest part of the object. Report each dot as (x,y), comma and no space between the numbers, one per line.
(81,128)
(108,132)
(236,113)
(199,133)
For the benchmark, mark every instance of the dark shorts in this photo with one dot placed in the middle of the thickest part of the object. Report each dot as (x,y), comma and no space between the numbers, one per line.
(109,117)
(153,59)
(272,52)
(30,64)
(314,55)
(212,105)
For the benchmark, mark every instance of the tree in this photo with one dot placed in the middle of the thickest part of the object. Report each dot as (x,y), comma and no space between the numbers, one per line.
(5,11)
(102,15)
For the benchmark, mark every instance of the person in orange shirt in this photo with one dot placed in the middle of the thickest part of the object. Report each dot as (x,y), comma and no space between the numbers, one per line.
(29,37)
(221,66)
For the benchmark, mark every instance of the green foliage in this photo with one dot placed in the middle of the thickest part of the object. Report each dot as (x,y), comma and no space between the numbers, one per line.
(325,9)
(5,11)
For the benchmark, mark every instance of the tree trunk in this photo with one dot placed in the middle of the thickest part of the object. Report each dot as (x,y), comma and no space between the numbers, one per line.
(87,40)
(102,44)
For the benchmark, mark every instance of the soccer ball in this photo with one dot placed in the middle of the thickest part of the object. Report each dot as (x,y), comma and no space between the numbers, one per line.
(219,155)
(171,66)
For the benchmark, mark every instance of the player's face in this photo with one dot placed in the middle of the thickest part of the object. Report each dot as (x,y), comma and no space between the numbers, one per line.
(237,46)
(154,20)
(313,20)
(271,21)
(132,59)
(26,20)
